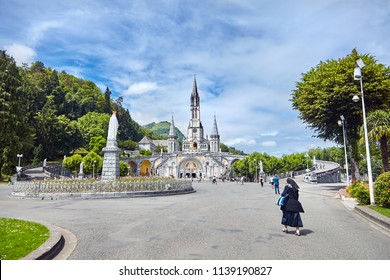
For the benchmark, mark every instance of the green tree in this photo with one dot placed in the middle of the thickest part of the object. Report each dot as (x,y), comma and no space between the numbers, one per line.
(81,96)
(73,163)
(159,148)
(93,124)
(128,145)
(90,160)
(325,92)
(295,162)
(107,99)
(96,144)
(379,130)
(68,136)
(16,135)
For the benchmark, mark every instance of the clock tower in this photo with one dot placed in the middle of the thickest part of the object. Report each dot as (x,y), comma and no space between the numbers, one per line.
(195,137)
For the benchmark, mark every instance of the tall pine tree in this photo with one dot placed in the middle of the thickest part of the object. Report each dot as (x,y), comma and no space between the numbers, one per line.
(15,134)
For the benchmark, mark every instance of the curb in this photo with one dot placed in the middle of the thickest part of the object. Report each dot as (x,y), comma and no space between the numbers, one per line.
(58,246)
(374,216)
(366,212)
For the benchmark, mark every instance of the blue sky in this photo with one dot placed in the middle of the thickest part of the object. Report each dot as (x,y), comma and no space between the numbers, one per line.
(247,56)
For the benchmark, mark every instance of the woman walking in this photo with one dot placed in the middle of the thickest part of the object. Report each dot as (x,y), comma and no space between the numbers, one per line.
(292,207)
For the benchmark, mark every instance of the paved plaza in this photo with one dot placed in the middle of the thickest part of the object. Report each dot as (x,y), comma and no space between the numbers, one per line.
(223,221)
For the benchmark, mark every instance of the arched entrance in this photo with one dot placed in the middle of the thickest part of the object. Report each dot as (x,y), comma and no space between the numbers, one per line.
(190,169)
(132,168)
(145,168)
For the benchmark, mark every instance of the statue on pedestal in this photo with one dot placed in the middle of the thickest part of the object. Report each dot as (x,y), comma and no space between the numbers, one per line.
(81,173)
(110,170)
(112,130)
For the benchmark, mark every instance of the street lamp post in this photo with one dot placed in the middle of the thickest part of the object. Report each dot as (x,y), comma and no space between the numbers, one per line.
(358,76)
(19,156)
(93,169)
(19,168)
(255,170)
(341,122)
(307,162)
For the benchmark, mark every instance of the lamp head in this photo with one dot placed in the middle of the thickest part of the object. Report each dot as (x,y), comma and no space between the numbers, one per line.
(355,98)
(342,118)
(357,73)
(360,63)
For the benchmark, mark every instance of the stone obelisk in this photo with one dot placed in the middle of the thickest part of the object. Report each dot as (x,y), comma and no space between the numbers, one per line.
(111,152)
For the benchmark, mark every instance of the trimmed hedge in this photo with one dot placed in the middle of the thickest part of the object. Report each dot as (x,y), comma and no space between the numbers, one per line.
(359,191)
(382,190)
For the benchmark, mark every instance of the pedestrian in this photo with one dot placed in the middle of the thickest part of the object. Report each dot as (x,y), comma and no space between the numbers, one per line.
(9,181)
(214,180)
(262,181)
(275,179)
(292,207)
(242,180)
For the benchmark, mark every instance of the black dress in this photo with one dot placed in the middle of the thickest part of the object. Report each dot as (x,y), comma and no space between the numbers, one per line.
(292,208)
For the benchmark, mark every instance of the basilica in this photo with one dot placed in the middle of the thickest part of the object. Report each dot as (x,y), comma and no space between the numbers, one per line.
(199,158)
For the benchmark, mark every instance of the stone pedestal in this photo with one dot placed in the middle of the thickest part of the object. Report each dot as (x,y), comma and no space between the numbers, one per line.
(110,169)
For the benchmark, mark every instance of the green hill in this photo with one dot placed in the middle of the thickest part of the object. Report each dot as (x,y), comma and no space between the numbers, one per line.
(162,129)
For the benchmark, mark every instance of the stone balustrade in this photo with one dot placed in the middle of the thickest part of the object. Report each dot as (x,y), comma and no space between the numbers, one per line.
(92,188)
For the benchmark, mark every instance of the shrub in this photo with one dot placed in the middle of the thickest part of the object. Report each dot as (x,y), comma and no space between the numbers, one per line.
(382,190)
(73,162)
(123,168)
(89,162)
(359,191)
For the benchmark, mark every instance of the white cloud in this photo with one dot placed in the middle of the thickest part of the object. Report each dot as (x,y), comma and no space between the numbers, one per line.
(271,133)
(141,88)
(241,141)
(21,53)
(268,144)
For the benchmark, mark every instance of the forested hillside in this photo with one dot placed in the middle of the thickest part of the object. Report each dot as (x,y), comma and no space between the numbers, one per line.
(162,129)
(49,114)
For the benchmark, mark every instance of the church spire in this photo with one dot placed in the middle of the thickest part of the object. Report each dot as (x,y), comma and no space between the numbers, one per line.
(214,132)
(195,100)
(173,144)
(214,138)
(172,130)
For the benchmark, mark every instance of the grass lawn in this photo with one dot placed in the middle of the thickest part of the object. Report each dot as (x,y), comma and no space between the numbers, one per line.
(19,238)
(382,210)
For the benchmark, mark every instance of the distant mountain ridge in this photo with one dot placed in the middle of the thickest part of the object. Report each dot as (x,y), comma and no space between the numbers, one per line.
(162,129)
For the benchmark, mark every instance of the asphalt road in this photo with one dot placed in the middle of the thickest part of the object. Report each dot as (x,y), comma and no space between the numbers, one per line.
(223,221)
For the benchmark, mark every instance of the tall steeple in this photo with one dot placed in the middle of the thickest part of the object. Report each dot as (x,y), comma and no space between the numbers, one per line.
(214,132)
(195,136)
(195,100)
(214,138)
(173,144)
(172,130)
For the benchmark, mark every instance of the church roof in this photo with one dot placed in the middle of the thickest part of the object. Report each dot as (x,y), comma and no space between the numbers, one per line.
(160,143)
(145,140)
